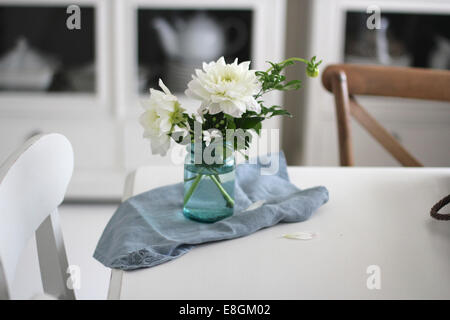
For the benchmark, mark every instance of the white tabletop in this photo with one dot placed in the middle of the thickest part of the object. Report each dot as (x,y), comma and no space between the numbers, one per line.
(375,217)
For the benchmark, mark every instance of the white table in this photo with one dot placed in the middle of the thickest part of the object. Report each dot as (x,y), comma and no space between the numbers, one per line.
(375,217)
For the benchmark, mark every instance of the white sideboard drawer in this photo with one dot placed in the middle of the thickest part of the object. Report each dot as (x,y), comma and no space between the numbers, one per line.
(94,142)
(428,143)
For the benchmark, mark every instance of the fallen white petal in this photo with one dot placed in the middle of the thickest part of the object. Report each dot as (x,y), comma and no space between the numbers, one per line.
(300,235)
(255,205)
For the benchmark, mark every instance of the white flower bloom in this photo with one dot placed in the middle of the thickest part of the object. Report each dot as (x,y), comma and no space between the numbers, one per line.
(227,88)
(210,135)
(162,113)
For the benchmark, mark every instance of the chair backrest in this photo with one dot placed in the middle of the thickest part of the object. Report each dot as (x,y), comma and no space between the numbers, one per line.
(347,80)
(33,181)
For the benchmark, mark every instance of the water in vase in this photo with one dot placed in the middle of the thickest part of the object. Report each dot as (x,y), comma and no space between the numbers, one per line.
(209,190)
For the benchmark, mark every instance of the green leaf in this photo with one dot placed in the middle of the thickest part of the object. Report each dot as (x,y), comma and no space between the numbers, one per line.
(248,123)
(281,112)
(258,128)
(230,122)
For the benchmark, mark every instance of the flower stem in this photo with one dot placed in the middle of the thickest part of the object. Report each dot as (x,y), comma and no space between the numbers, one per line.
(225,194)
(215,178)
(189,179)
(216,174)
(292,59)
(192,188)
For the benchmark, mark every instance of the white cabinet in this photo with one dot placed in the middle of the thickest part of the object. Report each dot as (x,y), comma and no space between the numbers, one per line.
(422,126)
(57,79)
(87,83)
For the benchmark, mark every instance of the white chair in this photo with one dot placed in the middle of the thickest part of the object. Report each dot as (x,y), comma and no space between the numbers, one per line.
(33,182)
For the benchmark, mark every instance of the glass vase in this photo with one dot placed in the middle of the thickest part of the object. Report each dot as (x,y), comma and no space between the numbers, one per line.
(209,182)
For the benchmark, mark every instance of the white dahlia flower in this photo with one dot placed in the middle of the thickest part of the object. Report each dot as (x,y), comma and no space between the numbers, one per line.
(162,113)
(227,88)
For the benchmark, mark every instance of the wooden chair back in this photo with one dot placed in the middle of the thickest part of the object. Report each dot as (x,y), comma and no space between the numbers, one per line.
(347,80)
(33,181)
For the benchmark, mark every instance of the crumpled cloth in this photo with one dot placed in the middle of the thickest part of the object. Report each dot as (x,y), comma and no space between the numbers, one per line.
(150,228)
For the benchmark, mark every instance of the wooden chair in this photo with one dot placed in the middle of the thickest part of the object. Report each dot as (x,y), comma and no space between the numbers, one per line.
(346,80)
(33,182)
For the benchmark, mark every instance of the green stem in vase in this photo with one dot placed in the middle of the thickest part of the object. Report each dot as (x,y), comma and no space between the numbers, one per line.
(190,179)
(216,175)
(192,188)
(216,179)
(225,194)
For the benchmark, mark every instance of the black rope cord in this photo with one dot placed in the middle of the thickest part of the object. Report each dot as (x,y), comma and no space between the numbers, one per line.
(442,203)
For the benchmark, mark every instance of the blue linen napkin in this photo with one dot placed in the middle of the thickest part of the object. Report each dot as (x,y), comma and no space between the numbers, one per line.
(149,229)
